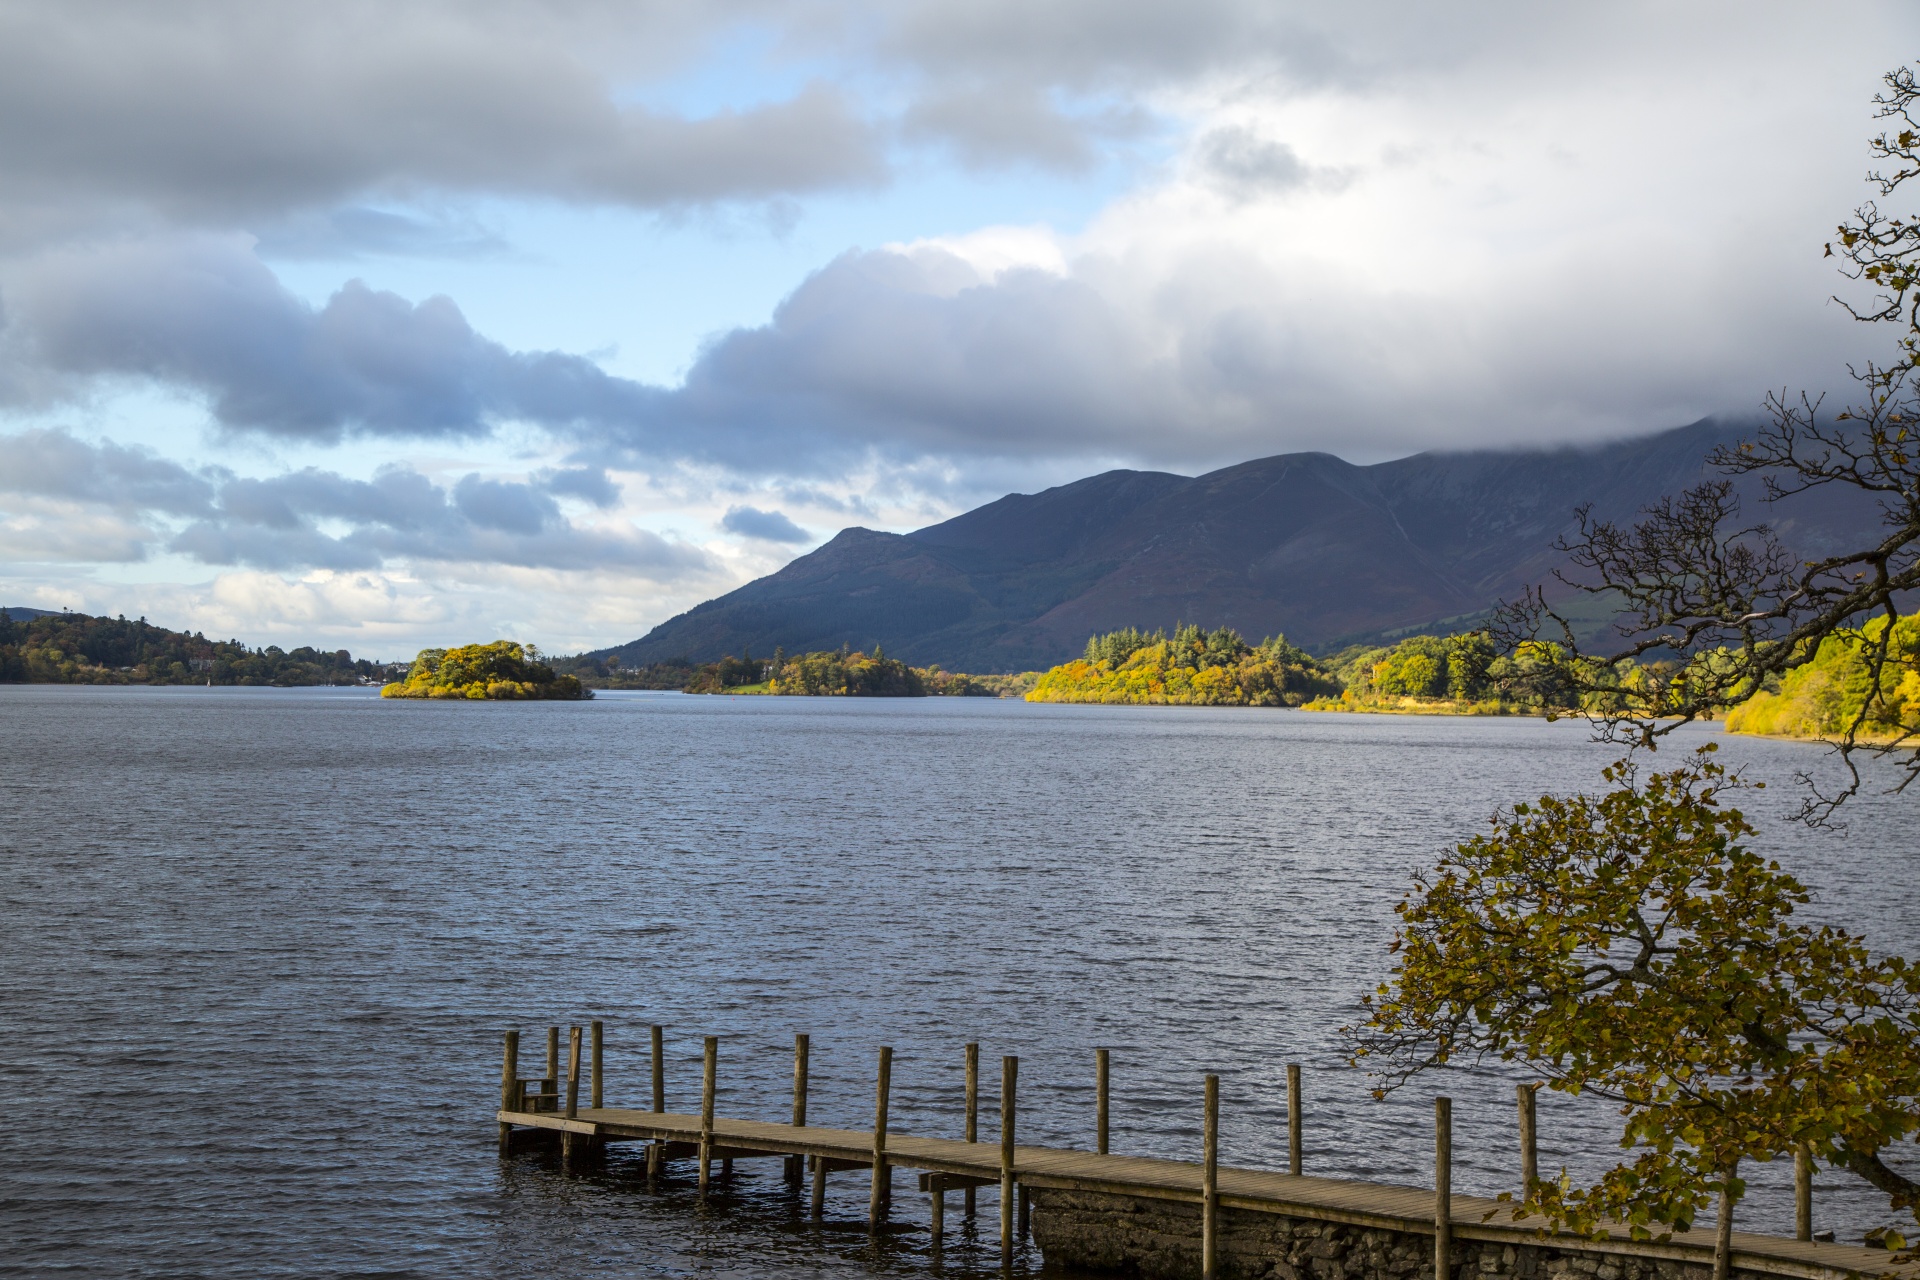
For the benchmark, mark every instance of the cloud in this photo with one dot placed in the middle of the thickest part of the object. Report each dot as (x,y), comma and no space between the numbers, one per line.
(590,484)
(768,526)
(216,113)
(54,464)
(1247,166)
(69,499)
(203,314)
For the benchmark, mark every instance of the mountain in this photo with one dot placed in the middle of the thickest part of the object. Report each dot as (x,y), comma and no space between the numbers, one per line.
(20,613)
(1302,544)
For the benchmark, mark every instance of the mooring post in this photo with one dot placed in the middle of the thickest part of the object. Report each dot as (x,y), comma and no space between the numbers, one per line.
(1529,1149)
(796,1165)
(1803,1192)
(551,1084)
(1723,1238)
(973,1114)
(1210,1184)
(570,1141)
(659,1037)
(509,1086)
(819,1186)
(657,1149)
(1293,1118)
(1443,1189)
(706,1109)
(882,1175)
(1009,1078)
(1100,1101)
(937,1214)
(594,1095)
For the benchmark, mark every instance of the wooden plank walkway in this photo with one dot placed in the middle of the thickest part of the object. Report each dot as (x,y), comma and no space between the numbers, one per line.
(551,1102)
(1352,1203)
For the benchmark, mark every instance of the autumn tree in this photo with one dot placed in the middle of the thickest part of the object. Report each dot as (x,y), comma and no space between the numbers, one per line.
(1631,946)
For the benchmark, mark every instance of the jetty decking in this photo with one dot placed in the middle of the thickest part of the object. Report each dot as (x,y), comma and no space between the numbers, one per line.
(551,1102)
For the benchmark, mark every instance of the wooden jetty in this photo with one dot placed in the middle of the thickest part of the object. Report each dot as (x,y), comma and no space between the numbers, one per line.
(551,1102)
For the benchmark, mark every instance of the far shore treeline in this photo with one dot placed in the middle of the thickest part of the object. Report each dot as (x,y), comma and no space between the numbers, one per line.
(1461,674)
(76,648)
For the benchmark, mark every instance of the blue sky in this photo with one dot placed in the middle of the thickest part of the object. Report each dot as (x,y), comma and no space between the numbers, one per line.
(406,324)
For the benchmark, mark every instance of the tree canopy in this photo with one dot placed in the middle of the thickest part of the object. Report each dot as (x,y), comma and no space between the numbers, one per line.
(501,670)
(1632,946)
(1193,667)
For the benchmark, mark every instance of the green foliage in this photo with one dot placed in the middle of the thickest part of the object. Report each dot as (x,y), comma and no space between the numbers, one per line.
(1457,673)
(75,648)
(1195,667)
(848,673)
(1630,945)
(1839,691)
(500,670)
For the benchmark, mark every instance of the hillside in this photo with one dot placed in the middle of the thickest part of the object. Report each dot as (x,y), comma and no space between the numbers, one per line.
(76,648)
(1305,545)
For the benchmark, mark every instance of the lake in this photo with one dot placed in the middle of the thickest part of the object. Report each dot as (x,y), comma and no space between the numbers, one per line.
(260,946)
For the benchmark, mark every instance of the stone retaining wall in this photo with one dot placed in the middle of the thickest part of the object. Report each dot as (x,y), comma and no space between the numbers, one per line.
(1160,1240)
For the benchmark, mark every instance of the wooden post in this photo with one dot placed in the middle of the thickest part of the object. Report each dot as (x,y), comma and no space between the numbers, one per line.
(1293,1118)
(594,1095)
(1723,1238)
(573,1072)
(973,1114)
(1802,1192)
(937,1186)
(1100,1101)
(552,1083)
(1210,1184)
(659,1035)
(877,1200)
(819,1186)
(797,1165)
(569,1141)
(1529,1150)
(1025,1196)
(706,1109)
(509,1087)
(1443,1189)
(1009,1079)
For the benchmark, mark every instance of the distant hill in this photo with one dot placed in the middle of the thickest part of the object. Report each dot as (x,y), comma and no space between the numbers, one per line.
(1303,544)
(20,613)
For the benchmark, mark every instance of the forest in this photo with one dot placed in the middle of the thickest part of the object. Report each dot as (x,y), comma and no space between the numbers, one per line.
(1194,667)
(77,648)
(500,671)
(1839,689)
(1456,674)
(845,672)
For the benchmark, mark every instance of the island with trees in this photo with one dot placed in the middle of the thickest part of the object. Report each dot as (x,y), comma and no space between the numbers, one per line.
(502,670)
(1192,667)
(833,673)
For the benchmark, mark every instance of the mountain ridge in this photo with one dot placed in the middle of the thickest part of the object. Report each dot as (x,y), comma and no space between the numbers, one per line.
(1304,544)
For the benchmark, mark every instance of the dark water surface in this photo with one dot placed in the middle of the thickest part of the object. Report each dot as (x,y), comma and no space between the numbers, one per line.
(259,947)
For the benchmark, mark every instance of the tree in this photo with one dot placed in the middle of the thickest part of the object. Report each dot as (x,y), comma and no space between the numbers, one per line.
(1631,946)
(1714,609)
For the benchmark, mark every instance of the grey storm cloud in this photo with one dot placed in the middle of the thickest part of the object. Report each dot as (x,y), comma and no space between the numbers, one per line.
(54,464)
(217,112)
(204,314)
(767,526)
(313,518)
(287,118)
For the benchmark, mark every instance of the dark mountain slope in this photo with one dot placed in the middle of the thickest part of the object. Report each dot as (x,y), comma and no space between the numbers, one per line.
(1304,544)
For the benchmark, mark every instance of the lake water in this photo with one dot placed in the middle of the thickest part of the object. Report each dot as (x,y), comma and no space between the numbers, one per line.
(260,946)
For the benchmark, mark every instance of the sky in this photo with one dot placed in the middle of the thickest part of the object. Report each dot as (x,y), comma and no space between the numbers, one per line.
(386,325)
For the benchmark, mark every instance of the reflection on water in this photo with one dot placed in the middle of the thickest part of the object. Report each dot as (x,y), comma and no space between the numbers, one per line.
(261,946)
